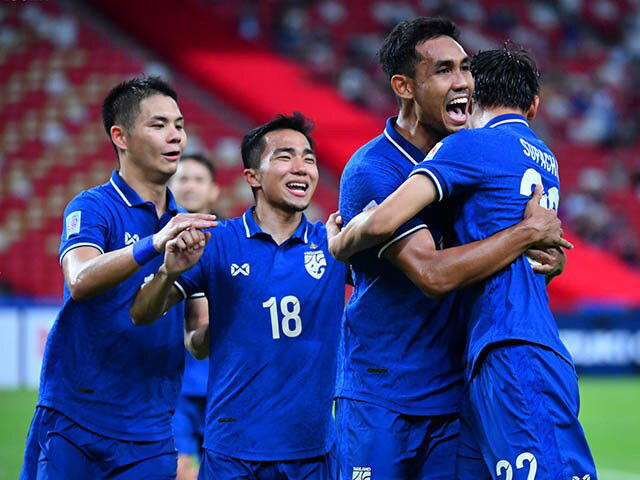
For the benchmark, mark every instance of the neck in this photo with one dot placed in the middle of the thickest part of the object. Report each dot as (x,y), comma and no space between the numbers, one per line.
(481,116)
(408,125)
(149,191)
(278,223)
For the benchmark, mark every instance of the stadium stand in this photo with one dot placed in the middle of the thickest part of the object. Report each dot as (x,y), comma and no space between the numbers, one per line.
(55,68)
(55,64)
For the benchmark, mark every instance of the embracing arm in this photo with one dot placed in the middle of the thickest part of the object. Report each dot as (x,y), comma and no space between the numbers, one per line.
(377,224)
(438,272)
(196,327)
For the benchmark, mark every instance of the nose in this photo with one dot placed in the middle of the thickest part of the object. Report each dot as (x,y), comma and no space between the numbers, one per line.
(298,165)
(461,80)
(176,135)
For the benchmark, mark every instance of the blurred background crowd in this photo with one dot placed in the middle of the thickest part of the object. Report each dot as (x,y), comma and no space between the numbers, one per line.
(57,60)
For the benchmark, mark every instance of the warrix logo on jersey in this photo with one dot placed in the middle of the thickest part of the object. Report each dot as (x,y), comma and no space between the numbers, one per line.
(361,473)
(315,263)
(243,269)
(130,239)
(586,477)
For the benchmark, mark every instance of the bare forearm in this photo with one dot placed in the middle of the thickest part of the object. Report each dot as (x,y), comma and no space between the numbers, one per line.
(375,226)
(101,273)
(454,268)
(154,298)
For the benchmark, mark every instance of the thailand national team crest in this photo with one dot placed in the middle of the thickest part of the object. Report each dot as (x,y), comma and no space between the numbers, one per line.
(315,263)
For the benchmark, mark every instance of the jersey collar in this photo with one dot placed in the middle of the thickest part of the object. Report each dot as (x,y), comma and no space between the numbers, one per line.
(507,118)
(131,198)
(404,146)
(252,229)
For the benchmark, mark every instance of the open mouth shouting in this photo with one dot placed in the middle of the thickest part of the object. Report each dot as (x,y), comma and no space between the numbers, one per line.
(457,110)
(173,155)
(298,188)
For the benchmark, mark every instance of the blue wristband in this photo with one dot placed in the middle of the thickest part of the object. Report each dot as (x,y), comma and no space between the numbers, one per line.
(143,250)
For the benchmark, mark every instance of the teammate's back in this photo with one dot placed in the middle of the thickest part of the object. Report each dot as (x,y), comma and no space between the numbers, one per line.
(489,174)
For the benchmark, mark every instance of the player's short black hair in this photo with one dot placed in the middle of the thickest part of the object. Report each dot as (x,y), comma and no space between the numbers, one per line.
(398,55)
(253,142)
(202,160)
(505,78)
(121,106)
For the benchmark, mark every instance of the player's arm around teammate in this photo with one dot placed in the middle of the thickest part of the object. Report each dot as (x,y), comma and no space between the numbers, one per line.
(438,272)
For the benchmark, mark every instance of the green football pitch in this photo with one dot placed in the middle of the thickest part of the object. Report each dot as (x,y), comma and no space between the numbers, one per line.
(610,415)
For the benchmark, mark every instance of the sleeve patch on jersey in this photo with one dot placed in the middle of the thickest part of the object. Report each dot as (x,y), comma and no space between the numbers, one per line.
(433,151)
(73,223)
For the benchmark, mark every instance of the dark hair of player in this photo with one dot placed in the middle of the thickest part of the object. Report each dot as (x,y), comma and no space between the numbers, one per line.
(122,104)
(253,142)
(202,160)
(398,55)
(505,78)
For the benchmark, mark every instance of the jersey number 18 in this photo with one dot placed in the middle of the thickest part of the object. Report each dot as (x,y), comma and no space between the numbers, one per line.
(290,310)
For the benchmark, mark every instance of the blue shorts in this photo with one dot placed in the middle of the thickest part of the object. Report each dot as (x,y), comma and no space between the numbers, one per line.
(520,418)
(216,466)
(58,448)
(375,442)
(188,424)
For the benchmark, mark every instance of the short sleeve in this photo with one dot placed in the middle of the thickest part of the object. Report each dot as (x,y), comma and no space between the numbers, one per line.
(454,165)
(84,224)
(369,185)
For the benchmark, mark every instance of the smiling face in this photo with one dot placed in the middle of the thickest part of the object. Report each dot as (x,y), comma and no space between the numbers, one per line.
(157,138)
(288,174)
(442,86)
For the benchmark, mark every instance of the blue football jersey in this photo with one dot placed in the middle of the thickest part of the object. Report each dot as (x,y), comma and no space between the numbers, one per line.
(196,375)
(488,175)
(275,315)
(399,349)
(100,370)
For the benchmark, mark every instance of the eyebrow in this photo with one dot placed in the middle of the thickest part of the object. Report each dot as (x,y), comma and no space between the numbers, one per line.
(449,63)
(292,150)
(165,119)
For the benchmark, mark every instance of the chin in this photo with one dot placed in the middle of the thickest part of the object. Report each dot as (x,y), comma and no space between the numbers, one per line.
(297,206)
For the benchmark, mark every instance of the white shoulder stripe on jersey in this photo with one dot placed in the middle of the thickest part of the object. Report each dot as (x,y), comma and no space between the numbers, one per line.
(511,120)
(197,295)
(80,244)
(119,192)
(246,227)
(402,150)
(182,291)
(433,178)
(400,237)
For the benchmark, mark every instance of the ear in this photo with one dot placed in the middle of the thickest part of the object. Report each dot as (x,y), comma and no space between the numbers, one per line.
(402,86)
(533,109)
(118,137)
(252,177)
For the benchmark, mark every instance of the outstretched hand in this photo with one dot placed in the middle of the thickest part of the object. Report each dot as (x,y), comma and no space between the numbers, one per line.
(184,251)
(179,223)
(334,226)
(545,222)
